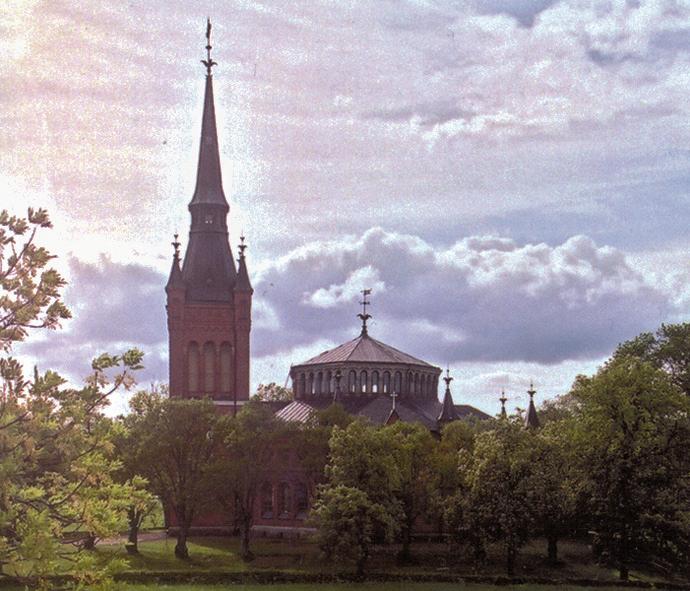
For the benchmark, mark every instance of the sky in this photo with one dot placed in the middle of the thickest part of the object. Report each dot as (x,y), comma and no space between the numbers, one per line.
(509,177)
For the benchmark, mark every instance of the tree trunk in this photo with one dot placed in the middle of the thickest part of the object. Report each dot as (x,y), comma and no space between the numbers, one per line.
(404,555)
(510,559)
(552,549)
(89,542)
(245,529)
(134,519)
(181,550)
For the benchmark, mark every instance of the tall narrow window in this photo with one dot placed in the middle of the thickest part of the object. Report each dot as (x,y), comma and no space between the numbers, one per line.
(283,500)
(363,382)
(301,500)
(374,382)
(319,383)
(193,367)
(266,500)
(302,389)
(225,368)
(209,368)
(352,381)
(397,383)
(310,384)
(386,382)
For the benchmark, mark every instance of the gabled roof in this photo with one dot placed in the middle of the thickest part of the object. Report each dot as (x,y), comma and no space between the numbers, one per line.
(366,350)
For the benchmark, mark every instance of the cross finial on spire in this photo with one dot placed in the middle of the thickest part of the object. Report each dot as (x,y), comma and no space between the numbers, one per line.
(176,245)
(364,316)
(394,395)
(242,247)
(448,379)
(208,62)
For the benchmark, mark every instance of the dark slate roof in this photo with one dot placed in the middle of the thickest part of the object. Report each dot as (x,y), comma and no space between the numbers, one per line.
(367,350)
(175,280)
(209,184)
(531,418)
(242,283)
(378,410)
(447,413)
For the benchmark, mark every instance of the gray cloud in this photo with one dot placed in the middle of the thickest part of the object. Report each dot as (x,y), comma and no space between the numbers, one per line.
(524,11)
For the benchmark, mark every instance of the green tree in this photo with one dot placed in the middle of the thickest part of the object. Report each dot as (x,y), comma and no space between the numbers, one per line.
(249,442)
(348,522)
(632,435)
(273,393)
(414,452)
(178,441)
(667,349)
(56,463)
(494,491)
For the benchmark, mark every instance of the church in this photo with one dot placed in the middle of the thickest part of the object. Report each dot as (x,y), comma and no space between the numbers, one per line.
(209,309)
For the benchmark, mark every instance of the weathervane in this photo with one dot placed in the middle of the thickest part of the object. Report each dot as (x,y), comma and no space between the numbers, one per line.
(176,245)
(208,62)
(364,316)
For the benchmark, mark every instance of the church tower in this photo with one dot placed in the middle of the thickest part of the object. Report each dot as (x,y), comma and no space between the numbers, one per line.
(209,298)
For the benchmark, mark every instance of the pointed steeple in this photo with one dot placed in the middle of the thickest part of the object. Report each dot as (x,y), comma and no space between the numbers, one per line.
(531,418)
(393,416)
(209,268)
(175,280)
(243,283)
(447,413)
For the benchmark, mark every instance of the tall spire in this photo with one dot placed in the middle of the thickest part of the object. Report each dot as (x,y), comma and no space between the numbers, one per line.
(531,418)
(447,413)
(209,268)
(209,184)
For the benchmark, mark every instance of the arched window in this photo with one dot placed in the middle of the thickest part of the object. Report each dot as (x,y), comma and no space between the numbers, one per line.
(302,384)
(301,500)
(416,383)
(329,382)
(225,367)
(374,382)
(310,384)
(209,368)
(410,383)
(319,383)
(397,383)
(267,500)
(193,367)
(386,382)
(352,381)
(283,500)
(363,385)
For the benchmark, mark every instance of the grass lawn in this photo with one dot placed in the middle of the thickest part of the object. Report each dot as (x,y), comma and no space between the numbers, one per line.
(360,587)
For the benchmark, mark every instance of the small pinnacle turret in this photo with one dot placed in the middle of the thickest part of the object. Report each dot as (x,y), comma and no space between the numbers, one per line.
(242,283)
(175,280)
(448,412)
(503,399)
(531,418)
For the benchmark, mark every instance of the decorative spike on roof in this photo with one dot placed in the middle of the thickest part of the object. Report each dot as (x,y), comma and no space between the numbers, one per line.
(503,399)
(364,316)
(531,418)
(243,283)
(448,412)
(175,280)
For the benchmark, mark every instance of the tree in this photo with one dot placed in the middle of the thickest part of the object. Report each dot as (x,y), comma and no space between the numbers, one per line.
(667,349)
(56,463)
(553,484)
(177,440)
(273,393)
(494,489)
(632,434)
(348,522)
(30,296)
(249,441)
(414,450)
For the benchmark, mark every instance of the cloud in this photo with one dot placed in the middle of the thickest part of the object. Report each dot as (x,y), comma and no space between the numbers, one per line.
(480,299)
(115,306)
(524,11)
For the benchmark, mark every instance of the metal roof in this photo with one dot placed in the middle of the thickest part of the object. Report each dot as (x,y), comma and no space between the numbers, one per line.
(366,350)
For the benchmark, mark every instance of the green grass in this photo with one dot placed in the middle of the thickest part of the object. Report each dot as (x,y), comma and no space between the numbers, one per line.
(361,587)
